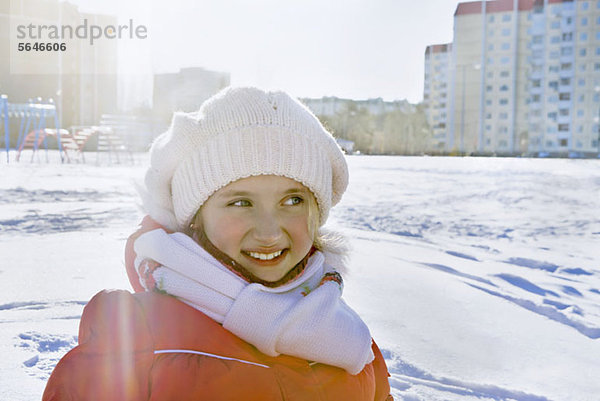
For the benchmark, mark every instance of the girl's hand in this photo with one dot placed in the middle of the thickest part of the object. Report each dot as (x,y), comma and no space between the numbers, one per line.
(147,224)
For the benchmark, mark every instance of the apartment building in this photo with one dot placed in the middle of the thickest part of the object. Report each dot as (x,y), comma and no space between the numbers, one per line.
(525,78)
(82,81)
(185,90)
(436,95)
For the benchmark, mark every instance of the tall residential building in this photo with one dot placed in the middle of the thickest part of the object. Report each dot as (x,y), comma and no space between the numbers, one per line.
(185,90)
(82,82)
(525,78)
(436,95)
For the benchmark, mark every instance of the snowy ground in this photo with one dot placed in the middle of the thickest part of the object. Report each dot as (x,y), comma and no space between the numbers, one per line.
(479,277)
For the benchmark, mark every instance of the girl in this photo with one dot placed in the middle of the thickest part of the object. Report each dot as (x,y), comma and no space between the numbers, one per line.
(238,291)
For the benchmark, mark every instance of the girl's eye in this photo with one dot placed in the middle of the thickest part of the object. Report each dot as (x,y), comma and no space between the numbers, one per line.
(293,200)
(241,203)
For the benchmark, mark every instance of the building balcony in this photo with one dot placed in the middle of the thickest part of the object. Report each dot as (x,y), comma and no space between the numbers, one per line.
(565,88)
(535,90)
(566,73)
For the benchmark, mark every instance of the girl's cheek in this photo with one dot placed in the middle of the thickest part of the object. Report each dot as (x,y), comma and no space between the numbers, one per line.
(298,224)
(235,226)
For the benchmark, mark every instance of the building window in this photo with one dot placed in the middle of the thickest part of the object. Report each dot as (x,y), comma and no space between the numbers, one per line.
(555,25)
(536,83)
(563,127)
(503,88)
(506,17)
(583,36)
(567,37)
(566,66)
(504,74)
(581,98)
(503,116)
(491,18)
(564,142)
(538,39)
(505,60)
(506,31)
(596,66)
(565,96)
(488,88)
(553,85)
(491,47)
(506,46)
(584,21)
(553,68)
(597,35)
(585,5)
(535,98)
(566,51)
(563,112)
(581,82)
(555,39)
(503,101)
(552,116)
(597,51)
(582,52)
(580,113)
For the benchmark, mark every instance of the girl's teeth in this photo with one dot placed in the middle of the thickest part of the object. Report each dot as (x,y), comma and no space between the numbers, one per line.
(265,256)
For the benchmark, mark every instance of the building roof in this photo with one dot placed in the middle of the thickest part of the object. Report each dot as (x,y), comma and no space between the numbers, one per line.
(497,6)
(439,48)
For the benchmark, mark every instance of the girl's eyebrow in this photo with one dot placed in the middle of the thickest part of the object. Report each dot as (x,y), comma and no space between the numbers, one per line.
(295,190)
(232,193)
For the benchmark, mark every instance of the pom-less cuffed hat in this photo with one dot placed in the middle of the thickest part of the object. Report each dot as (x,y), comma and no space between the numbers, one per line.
(240,132)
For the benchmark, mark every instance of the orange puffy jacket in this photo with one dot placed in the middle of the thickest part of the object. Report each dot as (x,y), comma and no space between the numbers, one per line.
(151,346)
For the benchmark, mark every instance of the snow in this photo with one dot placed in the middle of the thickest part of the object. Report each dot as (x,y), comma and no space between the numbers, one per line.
(479,277)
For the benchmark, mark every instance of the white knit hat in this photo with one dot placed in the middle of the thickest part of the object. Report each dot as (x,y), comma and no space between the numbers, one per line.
(240,132)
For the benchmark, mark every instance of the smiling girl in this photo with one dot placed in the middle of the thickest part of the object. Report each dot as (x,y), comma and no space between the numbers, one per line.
(238,287)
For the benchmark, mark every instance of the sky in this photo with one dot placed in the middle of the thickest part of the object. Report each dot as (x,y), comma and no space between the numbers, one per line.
(353,49)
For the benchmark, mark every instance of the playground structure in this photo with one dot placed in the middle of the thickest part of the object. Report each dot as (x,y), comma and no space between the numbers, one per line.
(108,138)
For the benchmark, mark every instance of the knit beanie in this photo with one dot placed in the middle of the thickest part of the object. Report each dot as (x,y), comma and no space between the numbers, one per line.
(238,133)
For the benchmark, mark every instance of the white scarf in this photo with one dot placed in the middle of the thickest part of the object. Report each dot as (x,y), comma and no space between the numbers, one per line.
(305,317)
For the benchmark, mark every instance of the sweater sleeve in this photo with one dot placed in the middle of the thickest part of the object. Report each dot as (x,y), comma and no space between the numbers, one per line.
(114,355)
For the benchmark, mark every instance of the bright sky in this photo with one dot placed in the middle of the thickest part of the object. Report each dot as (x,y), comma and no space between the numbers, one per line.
(353,48)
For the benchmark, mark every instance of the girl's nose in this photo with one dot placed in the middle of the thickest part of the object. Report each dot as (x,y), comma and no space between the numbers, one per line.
(267,229)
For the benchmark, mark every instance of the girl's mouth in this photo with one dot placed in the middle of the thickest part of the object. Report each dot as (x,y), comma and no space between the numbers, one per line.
(265,257)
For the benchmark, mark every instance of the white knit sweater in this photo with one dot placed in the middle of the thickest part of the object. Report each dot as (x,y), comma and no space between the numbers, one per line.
(305,317)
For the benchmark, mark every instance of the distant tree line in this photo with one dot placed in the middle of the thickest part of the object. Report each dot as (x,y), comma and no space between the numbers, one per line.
(397,132)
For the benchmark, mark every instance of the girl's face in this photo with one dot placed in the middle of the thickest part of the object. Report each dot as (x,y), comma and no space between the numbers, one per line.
(261,222)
